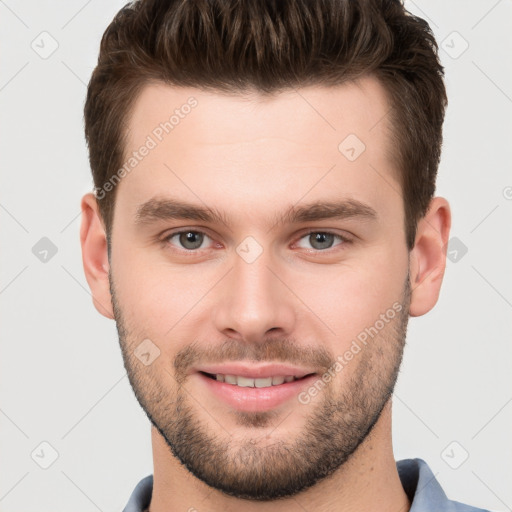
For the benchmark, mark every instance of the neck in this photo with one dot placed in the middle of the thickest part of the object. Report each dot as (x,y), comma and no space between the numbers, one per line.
(367,481)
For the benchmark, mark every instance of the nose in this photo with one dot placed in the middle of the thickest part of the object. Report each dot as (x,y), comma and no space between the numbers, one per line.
(254,301)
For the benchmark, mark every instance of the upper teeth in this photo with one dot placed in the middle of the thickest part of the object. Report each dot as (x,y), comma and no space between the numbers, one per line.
(246,382)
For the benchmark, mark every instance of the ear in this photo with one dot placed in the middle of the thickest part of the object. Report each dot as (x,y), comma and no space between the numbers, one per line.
(428,256)
(93,240)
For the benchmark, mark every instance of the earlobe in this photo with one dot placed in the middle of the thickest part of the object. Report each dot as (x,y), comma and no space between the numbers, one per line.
(428,257)
(95,255)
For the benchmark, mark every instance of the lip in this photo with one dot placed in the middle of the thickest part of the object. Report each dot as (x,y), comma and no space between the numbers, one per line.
(248,399)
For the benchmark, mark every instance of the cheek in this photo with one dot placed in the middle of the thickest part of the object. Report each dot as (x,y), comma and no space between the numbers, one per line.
(158,300)
(352,296)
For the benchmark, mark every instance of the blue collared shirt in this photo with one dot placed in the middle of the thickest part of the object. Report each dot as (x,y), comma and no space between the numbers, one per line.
(418,481)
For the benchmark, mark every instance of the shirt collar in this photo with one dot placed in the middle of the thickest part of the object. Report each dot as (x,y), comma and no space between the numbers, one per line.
(421,486)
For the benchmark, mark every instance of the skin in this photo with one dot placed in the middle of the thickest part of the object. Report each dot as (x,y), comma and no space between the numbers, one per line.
(250,158)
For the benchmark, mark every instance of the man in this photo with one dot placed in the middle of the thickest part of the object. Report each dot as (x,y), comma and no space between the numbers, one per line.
(262,227)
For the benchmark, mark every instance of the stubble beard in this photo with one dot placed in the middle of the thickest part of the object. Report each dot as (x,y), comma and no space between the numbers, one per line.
(250,467)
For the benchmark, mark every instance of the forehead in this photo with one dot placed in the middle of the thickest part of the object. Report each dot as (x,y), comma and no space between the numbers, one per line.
(305,141)
(360,106)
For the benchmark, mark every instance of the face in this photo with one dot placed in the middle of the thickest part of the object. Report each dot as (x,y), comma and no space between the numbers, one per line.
(259,279)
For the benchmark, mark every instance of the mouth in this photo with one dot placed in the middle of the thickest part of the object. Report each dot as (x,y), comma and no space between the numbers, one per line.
(249,382)
(254,388)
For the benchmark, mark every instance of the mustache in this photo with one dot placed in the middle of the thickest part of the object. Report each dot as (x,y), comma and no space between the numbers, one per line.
(273,350)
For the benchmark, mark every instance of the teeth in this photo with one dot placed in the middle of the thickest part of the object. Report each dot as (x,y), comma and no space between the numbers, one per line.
(230,379)
(246,382)
(263,383)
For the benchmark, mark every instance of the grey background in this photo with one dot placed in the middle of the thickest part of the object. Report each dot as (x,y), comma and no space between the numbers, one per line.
(61,372)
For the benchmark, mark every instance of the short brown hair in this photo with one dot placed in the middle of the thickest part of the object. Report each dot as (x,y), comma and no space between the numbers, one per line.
(237,46)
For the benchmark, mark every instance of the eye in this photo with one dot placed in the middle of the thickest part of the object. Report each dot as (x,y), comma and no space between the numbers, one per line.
(189,240)
(322,240)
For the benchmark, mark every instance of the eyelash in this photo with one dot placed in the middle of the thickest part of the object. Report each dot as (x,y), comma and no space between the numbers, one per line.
(343,239)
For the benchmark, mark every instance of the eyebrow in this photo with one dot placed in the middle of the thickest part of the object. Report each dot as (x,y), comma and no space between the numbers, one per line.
(157,209)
